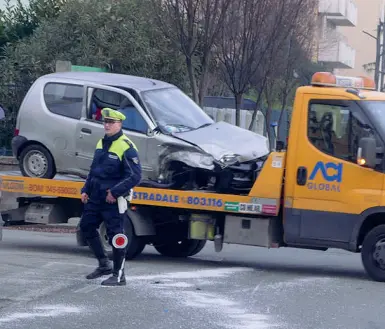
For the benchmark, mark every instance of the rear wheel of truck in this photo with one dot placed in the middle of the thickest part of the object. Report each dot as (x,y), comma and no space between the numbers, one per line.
(373,253)
(184,248)
(135,243)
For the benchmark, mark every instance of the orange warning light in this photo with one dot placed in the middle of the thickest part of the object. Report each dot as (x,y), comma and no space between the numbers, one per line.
(327,79)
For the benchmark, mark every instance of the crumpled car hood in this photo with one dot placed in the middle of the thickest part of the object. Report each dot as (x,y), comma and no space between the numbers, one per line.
(222,138)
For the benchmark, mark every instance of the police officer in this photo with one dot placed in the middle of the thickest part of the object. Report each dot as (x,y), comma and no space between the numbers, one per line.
(115,170)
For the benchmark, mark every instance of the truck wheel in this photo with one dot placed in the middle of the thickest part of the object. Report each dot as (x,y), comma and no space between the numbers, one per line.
(37,161)
(184,248)
(373,253)
(135,244)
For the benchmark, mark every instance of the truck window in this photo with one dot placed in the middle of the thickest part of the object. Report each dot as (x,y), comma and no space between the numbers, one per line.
(64,99)
(336,130)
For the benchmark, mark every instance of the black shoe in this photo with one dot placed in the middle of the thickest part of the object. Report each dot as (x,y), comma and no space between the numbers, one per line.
(104,268)
(118,278)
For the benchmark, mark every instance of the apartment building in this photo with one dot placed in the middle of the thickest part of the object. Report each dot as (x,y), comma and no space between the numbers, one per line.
(334,49)
(362,37)
(347,32)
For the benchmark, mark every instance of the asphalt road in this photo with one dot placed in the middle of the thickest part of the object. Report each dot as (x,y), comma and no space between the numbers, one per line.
(42,286)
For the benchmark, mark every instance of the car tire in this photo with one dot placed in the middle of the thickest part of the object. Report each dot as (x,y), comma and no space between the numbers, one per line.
(36,161)
(374,243)
(184,248)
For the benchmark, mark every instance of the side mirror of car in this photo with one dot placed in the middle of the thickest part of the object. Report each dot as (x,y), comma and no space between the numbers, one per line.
(367,152)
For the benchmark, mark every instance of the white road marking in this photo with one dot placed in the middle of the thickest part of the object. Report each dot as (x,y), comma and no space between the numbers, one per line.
(47,279)
(50,264)
(223,310)
(295,283)
(41,311)
(257,287)
(197,274)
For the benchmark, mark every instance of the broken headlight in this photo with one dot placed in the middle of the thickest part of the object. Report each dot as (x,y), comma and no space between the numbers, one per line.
(229,159)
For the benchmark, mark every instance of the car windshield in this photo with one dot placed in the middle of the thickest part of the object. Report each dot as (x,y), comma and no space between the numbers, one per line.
(175,111)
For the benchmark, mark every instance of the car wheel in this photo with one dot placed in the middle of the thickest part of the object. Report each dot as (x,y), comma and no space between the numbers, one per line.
(134,246)
(184,248)
(36,161)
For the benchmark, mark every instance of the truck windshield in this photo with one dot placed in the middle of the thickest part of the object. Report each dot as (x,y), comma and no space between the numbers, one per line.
(376,111)
(175,111)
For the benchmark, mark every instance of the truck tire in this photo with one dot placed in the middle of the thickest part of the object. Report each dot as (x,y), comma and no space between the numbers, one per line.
(135,243)
(373,253)
(184,248)
(37,161)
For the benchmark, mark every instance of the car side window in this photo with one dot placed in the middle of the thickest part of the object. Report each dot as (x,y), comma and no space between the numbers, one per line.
(336,130)
(106,98)
(64,99)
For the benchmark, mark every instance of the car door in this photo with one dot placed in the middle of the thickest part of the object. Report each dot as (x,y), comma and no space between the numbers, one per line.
(89,130)
(331,189)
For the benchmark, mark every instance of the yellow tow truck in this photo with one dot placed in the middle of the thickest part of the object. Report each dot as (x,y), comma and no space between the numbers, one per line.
(323,189)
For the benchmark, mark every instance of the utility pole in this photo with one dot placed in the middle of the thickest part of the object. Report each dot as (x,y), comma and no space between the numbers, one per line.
(378,55)
(379,74)
(380,52)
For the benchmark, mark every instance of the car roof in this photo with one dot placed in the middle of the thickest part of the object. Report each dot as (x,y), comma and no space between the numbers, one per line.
(112,79)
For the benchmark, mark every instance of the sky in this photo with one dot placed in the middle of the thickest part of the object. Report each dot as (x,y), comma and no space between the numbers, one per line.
(3,2)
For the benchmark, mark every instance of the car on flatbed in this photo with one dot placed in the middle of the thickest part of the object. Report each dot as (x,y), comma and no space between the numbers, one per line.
(180,146)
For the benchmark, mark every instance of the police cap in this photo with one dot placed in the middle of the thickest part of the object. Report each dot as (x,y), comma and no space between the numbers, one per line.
(109,113)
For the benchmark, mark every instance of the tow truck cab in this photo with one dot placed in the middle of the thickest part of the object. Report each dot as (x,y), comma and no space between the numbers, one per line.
(334,180)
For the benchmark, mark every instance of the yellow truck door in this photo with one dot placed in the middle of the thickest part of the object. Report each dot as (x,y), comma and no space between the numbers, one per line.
(328,189)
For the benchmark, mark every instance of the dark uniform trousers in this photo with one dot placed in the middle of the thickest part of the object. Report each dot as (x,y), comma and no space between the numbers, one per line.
(115,167)
(95,213)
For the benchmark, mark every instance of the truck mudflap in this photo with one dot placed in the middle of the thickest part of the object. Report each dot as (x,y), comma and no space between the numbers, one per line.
(142,223)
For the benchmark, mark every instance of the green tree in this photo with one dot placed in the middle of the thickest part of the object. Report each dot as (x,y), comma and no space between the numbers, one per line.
(19,21)
(100,33)
(93,33)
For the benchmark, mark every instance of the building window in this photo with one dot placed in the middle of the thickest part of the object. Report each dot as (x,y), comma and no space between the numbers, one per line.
(64,99)
(337,129)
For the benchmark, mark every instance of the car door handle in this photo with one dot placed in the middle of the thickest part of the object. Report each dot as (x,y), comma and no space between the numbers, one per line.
(301,175)
(86,130)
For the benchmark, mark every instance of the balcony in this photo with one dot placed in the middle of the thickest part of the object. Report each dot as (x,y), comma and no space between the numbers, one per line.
(339,12)
(338,55)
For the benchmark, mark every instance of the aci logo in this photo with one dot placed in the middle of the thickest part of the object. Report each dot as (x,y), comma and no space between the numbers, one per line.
(330,172)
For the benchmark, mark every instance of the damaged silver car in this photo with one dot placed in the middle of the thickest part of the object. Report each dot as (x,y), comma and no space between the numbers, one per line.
(180,146)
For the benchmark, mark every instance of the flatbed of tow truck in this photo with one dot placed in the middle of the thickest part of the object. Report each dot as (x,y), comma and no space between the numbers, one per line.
(176,222)
(260,200)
